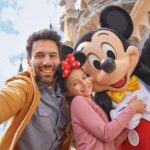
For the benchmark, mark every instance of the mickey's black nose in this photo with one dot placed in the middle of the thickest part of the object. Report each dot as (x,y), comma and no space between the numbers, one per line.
(108,65)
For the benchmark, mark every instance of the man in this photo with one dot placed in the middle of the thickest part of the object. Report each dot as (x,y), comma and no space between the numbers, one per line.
(32,100)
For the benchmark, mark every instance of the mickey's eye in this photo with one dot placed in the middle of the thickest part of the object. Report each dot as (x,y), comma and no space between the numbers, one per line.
(109,50)
(94,61)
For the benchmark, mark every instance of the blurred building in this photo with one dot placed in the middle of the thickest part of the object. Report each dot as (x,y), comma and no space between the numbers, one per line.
(77,21)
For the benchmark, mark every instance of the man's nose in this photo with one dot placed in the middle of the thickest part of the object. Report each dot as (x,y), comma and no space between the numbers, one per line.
(47,60)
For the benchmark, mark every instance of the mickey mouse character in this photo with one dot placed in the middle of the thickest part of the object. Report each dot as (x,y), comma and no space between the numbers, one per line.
(118,72)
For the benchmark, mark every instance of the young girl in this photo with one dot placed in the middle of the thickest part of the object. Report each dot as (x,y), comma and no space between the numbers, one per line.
(91,128)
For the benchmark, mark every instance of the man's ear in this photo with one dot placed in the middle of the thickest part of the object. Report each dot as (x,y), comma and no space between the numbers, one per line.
(29,61)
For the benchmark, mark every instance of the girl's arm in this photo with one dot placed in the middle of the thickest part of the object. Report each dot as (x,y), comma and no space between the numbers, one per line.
(93,120)
(121,137)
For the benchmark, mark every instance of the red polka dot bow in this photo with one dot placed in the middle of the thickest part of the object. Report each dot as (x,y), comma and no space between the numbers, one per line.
(68,64)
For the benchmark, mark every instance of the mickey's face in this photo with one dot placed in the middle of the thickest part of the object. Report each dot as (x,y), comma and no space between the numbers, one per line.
(108,62)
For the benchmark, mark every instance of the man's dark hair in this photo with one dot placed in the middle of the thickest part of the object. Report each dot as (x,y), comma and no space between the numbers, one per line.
(44,34)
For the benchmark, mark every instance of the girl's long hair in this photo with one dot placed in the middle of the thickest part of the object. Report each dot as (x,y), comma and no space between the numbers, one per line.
(68,133)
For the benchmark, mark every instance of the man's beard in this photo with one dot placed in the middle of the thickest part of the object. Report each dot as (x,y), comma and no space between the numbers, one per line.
(47,80)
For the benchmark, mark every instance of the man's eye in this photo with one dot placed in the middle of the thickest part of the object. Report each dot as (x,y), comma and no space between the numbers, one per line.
(38,56)
(53,56)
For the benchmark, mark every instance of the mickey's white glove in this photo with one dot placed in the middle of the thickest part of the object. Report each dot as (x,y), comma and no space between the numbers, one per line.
(134,121)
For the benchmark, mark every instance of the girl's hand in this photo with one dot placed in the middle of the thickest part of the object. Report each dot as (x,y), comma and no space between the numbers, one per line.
(138,104)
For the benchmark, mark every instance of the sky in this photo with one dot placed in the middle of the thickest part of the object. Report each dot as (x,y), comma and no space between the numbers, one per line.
(18,19)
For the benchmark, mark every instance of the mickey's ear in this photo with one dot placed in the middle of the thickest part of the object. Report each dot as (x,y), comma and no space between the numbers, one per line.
(65,50)
(118,19)
(80,56)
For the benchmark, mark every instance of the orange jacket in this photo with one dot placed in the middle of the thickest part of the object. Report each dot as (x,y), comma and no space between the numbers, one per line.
(18,101)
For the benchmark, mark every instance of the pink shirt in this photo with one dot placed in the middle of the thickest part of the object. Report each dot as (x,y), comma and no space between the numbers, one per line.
(92,130)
